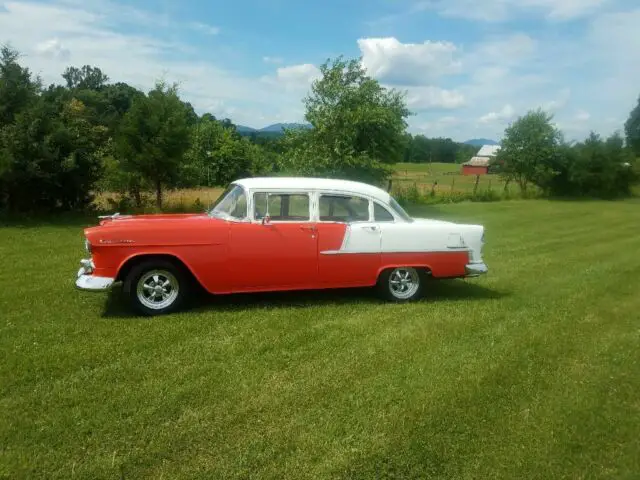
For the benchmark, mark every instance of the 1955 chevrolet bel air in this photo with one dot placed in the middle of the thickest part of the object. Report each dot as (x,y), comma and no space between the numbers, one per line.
(274,234)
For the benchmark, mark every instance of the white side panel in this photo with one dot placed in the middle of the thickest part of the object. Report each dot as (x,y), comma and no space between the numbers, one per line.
(361,238)
(414,237)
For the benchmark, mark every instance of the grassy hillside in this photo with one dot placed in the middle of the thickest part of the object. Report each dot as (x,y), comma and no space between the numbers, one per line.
(530,372)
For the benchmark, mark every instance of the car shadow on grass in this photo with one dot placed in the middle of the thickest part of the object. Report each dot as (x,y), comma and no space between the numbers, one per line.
(201,302)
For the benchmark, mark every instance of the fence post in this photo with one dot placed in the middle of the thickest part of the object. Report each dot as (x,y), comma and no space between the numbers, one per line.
(453,183)
(489,189)
(475,187)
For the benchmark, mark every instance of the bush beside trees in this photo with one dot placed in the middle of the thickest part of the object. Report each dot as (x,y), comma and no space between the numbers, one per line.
(534,153)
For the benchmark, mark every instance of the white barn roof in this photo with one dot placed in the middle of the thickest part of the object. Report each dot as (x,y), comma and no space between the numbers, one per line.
(488,151)
(478,162)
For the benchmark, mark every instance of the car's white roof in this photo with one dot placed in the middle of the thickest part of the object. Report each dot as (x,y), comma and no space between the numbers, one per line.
(309,183)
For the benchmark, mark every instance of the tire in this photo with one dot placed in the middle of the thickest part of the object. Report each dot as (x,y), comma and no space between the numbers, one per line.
(156,287)
(402,284)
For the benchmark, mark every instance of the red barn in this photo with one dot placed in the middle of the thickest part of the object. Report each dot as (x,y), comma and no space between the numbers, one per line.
(476,166)
(479,165)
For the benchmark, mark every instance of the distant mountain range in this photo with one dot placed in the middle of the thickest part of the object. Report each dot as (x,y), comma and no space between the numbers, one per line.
(278,129)
(478,142)
(275,128)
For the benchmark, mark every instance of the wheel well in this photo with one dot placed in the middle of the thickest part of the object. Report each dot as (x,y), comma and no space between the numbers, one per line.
(133,261)
(427,270)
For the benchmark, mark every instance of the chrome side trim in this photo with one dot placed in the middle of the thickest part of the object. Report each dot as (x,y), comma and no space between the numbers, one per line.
(476,269)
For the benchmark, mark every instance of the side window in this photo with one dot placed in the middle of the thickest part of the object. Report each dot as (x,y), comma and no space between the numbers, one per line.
(291,207)
(381,214)
(343,208)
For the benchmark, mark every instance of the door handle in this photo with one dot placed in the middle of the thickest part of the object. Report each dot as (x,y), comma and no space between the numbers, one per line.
(308,229)
(373,228)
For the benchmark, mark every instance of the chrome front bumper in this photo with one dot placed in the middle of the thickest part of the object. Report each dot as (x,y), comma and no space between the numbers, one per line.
(86,281)
(476,269)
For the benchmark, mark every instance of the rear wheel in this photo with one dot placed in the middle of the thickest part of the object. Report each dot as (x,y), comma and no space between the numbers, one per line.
(156,287)
(402,284)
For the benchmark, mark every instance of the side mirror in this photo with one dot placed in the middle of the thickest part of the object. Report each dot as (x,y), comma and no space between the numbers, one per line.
(266,219)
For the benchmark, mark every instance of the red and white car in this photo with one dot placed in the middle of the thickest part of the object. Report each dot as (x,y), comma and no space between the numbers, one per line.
(275,234)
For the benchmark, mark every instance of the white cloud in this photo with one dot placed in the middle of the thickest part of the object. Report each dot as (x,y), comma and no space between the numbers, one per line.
(394,62)
(582,116)
(274,60)
(304,73)
(429,97)
(206,29)
(505,50)
(435,127)
(559,102)
(295,78)
(53,48)
(504,115)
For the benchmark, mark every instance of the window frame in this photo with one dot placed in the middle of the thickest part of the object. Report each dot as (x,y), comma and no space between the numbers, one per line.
(275,191)
(386,209)
(223,195)
(329,193)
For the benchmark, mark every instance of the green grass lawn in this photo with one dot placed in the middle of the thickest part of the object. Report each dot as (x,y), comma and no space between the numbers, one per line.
(530,372)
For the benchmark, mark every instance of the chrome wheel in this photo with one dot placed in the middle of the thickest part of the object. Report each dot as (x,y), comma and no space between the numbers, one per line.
(404,282)
(157,289)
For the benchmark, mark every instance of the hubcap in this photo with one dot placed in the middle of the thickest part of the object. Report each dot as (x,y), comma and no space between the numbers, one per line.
(157,289)
(404,282)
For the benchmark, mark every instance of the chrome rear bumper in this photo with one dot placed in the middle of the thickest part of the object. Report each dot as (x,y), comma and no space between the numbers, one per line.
(476,269)
(88,282)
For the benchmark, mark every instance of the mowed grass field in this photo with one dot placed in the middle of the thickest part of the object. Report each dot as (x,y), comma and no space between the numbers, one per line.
(530,372)
(447,177)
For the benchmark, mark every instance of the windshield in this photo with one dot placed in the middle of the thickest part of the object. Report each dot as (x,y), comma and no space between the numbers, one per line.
(231,204)
(399,210)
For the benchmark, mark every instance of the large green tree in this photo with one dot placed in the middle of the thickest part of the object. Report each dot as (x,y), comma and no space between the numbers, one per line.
(530,149)
(632,129)
(18,87)
(218,155)
(358,126)
(153,138)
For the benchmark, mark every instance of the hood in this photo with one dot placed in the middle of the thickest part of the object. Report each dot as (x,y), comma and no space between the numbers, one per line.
(160,229)
(118,219)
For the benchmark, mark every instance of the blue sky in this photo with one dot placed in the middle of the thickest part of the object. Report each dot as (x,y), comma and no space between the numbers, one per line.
(468,67)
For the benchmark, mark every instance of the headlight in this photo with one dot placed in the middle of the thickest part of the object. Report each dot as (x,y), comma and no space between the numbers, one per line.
(87,245)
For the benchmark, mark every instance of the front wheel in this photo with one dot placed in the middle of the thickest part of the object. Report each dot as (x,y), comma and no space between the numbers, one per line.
(402,284)
(156,287)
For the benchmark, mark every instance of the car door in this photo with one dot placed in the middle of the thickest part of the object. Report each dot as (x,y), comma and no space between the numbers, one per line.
(278,248)
(348,241)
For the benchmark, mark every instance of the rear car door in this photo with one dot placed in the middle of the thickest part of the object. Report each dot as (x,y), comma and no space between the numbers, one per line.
(348,241)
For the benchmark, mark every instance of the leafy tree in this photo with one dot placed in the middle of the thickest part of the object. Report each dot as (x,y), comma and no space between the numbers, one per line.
(85,78)
(632,129)
(218,155)
(18,88)
(153,137)
(358,127)
(530,149)
(54,158)
(594,168)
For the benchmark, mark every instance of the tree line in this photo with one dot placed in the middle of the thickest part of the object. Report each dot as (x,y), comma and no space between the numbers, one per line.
(61,144)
